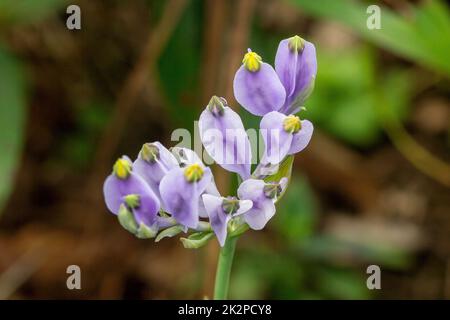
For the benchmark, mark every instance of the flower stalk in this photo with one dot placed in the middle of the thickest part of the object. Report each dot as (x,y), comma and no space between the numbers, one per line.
(224,265)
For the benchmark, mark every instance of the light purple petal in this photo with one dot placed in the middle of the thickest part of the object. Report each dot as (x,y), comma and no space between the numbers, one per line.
(153,172)
(217,217)
(226,141)
(181,198)
(258,216)
(211,189)
(263,208)
(251,189)
(297,72)
(259,92)
(276,140)
(301,139)
(115,189)
(244,206)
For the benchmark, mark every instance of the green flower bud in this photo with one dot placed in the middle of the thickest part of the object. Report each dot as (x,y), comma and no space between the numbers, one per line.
(126,219)
(145,232)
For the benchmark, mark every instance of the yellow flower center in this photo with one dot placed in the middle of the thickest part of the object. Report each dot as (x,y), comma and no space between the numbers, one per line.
(252,61)
(122,168)
(292,124)
(193,173)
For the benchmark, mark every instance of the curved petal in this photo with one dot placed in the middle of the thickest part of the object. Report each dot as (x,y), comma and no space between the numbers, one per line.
(153,172)
(258,216)
(181,198)
(226,141)
(251,189)
(276,140)
(301,139)
(217,217)
(147,210)
(244,206)
(263,208)
(211,189)
(297,72)
(114,189)
(259,92)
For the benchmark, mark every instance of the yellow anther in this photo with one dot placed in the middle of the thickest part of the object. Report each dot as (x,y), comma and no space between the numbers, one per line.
(194,172)
(292,124)
(122,168)
(252,61)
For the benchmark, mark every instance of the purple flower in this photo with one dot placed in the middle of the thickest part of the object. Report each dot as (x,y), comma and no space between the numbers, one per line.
(181,189)
(153,163)
(224,137)
(220,211)
(257,86)
(124,188)
(283,135)
(187,157)
(263,195)
(261,89)
(296,65)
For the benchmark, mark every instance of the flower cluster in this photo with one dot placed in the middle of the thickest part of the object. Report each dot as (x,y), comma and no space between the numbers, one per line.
(163,193)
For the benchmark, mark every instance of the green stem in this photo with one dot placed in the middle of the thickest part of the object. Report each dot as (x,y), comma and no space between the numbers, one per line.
(224,269)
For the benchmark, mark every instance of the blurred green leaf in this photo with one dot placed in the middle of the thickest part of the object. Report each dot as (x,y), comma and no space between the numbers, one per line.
(329,248)
(296,215)
(179,67)
(26,11)
(344,101)
(425,37)
(340,283)
(12,118)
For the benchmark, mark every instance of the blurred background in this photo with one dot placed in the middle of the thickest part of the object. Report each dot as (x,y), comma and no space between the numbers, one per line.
(371,188)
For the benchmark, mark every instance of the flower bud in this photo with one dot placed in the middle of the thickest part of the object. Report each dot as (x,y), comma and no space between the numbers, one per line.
(126,219)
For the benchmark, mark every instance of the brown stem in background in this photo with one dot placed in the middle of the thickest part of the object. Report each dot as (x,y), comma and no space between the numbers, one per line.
(238,43)
(133,86)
